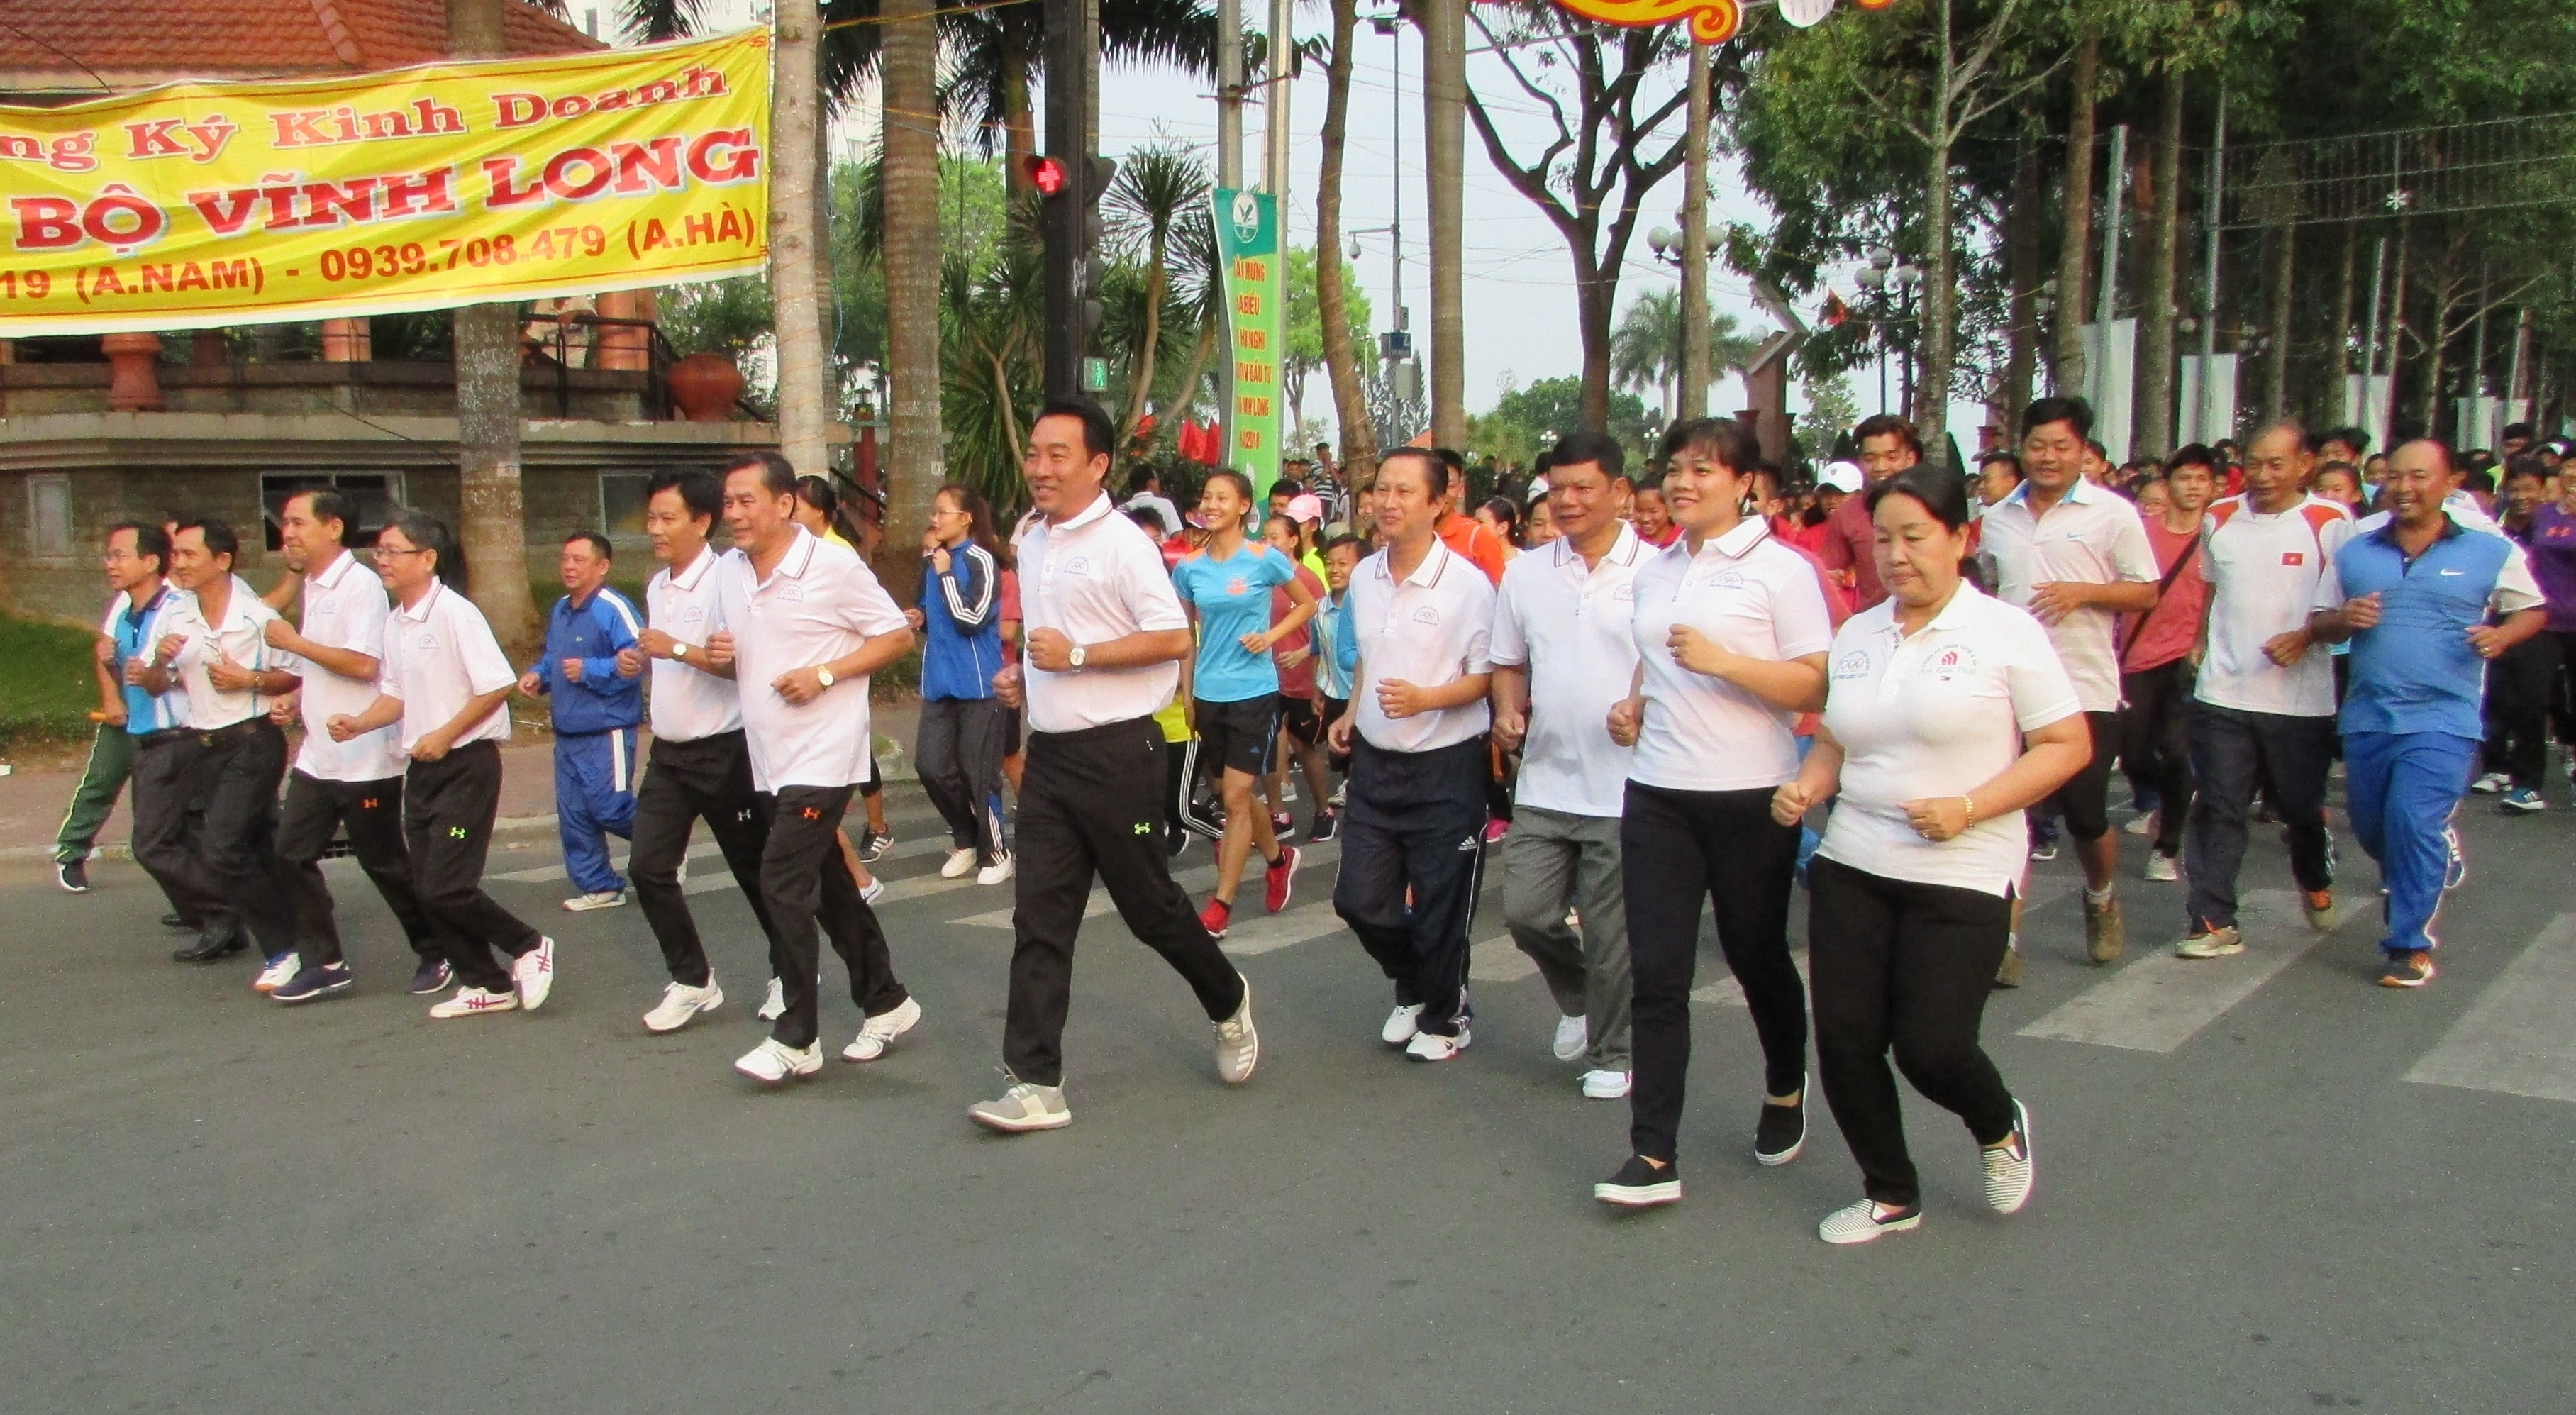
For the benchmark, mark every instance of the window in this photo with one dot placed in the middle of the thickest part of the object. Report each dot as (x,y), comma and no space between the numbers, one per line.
(621,502)
(49,515)
(375,497)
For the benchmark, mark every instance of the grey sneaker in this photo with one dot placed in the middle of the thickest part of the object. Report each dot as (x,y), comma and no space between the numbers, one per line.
(2008,1172)
(2105,936)
(1025,1106)
(2211,943)
(1238,1046)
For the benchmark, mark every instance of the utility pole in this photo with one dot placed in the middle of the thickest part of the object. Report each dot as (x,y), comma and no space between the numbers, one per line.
(1071,203)
(1229,94)
(2358,408)
(2214,211)
(2114,197)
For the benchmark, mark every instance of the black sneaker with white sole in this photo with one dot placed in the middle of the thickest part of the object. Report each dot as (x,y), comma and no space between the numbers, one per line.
(1640,1185)
(72,875)
(1781,1132)
(432,976)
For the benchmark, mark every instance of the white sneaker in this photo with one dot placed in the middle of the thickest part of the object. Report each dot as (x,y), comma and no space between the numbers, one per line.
(474,1002)
(1863,1221)
(998,871)
(1401,1024)
(1024,1107)
(879,1032)
(2491,783)
(2008,1173)
(875,891)
(2161,867)
(1238,1046)
(596,899)
(1431,1046)
(280,971)
(959,864)
(776,1006)
(1573,1034)
(2142,825)
(681,875)
(774,1061)
(1605,1085)
(535,971)
(680,1002)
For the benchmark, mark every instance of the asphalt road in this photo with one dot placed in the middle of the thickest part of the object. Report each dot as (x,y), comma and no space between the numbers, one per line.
(2244,1202)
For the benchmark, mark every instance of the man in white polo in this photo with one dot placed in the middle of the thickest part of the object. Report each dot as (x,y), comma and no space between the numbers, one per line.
(810,623)
(1563,653)
(2077,557)
(1413,830)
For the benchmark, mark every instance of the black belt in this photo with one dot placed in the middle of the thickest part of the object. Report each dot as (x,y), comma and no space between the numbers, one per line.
(225,736)
(163,738)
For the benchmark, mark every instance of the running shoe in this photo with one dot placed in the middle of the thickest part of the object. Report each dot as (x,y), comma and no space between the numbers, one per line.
(596,899)
(2407,970)
(872,891)
(1216,917)
(308,984)
(1174,843)
(1640,1185)
(774,1061)
(681,1002)
(2522,800)
(1281,823)
(1496,830)
(959,864)
(1341,793)
(72,875)
(874,843)
(2491,783)
(775,1006)
(2043,852)
(432,976)
(2105,936)
(534,971)
(2211,943)
(2319,906)
(2457,872)
(1781,1132)
(1022,1108)
(1573,1034)
(474,1002)
(879,1032)
(1238,1045)
(1328,823)
(1279,881)
(1401,1024)
(2162,868)
(998,872)
(1431,1046)
(1866,1221)
(278,972)
(2008,973)
(2008,1172)
(1607,1085)
(2143,825)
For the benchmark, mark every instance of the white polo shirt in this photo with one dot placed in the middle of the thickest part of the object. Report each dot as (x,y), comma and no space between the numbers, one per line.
(1938,714)
(1571,626)
(240,640)
(689,702)
(2090,535)
(819,603)
(2263,573)
(1750,595)
(345,607)
(439,656)
(1431,630)
(1094,578)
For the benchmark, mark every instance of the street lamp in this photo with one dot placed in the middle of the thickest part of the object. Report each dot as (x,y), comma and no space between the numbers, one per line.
(1886,275)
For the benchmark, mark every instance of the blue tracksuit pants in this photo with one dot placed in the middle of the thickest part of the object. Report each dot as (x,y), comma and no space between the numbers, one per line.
(594,799)
(2401,788)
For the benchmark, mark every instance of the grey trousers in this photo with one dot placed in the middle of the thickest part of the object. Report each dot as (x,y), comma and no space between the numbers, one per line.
(1553,861)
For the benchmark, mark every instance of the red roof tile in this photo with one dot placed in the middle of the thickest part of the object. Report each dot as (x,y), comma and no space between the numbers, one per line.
(75,45)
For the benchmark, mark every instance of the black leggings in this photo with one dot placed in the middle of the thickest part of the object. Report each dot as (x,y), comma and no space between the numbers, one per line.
(2154,744)
(1678,849)
(1907,967)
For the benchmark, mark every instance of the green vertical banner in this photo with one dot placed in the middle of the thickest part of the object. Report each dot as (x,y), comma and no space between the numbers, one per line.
(1247,240)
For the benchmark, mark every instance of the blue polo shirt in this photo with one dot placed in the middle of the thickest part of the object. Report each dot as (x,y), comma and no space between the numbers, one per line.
(2415,670)
(1232,597)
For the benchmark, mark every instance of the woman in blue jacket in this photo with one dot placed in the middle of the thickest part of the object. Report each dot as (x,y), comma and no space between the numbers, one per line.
(964,728)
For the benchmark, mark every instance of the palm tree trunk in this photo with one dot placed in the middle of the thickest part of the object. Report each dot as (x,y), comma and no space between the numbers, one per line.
(1690,397)
(793,133)
(2164,237)
(1140,384)
(916,462)
(2078,232)
(1019,123)
(1444,101)
(1931,408)
(2276,382)
(2022,340)
(1341,361)
(491,512)
(2339,344)
(1188,394)
(1002,400)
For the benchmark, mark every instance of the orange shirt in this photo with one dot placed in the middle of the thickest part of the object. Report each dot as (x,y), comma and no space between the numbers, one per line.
(1467,536)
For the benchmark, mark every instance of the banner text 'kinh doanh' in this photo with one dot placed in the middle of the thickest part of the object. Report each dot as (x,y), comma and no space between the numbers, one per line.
(204,204)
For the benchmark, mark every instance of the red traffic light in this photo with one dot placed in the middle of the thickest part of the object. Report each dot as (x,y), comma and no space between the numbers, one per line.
(1046,174)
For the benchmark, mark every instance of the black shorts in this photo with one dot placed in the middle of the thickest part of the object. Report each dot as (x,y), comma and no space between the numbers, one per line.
(1297,718)
(2084,802)
(1237,736)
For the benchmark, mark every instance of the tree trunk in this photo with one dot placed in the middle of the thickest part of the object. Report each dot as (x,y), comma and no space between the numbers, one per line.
(2339,344)
(1690,396)
(2164,246)
(1592,296)
(1444,101)
(490,506)
(2022,243)
(1931,406)
(1019,123)
(1140,384)
(2284,274)
(2397,328)
(1341,361)
(793,126)
(916,460)
(2078,232)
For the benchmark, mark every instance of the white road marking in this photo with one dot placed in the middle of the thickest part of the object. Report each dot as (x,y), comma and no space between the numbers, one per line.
(2161,1000)
(2519,1037)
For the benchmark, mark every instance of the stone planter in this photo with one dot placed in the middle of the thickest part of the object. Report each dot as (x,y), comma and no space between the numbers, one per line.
(706,386)
(135,386)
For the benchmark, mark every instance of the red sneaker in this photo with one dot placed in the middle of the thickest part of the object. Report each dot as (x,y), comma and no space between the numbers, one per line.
(1215,917)
(1280,877)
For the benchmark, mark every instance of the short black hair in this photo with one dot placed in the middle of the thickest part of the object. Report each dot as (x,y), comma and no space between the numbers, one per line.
(427,532)
(1142,480)
(777,474)
(1730,442)
(598,543)
(2074,412)
(2526,464)
(218,535)
(2450,458)
(1451,458)
(1099,434)
(699,491)
(1149,518)
(1345,538)
(2192,454)
(325,504)
(1986,459)
(2521,430)
(2352,437)
(1287,487)
(1599,448)
(149,539)
(1942,494)
(1433,468)
(1886,425)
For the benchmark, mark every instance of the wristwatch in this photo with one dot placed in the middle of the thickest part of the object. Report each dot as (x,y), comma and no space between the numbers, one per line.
(679,650)
(1076,658)
(823,676)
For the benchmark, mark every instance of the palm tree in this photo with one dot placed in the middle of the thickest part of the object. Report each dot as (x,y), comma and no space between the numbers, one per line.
(1646,345)
(990,326)
(1154,189)
(795,131)
(916,464)
(1350,398)
(492,517)
(1444,99)
(993,56)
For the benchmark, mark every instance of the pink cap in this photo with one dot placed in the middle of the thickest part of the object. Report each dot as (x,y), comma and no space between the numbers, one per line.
(1307,508)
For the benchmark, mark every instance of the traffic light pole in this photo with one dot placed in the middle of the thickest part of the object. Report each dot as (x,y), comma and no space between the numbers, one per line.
(1068,137)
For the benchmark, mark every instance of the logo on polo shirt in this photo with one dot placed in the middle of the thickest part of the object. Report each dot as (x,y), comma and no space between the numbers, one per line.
(792,593)
(693,614)
(1236,586)
(1949,662)
(1625,591)
(427,642)
(2294,557)
(1853,665)
(326,606)
(1078,565)
(1427,615)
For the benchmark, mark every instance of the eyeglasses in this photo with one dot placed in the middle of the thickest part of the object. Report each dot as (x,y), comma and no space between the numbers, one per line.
(380,552)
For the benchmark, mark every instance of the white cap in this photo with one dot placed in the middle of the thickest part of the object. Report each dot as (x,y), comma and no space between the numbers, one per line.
(1840,476)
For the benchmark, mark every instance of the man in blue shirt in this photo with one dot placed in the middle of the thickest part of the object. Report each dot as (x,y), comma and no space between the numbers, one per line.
(594,673)
(2414,597)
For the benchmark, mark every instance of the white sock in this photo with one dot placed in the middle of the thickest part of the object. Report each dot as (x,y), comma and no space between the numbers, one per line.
(2098,896)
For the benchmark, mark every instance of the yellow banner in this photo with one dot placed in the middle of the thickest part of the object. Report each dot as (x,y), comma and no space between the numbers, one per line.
(204,204)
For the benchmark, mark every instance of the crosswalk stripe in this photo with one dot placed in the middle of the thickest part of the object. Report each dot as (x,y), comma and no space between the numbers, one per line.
(2519,1037)
(2161,1000)
(541,874)
(1193,882)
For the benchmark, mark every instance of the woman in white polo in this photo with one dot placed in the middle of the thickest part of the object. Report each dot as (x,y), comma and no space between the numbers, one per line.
(1731,632)
(1947,713)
